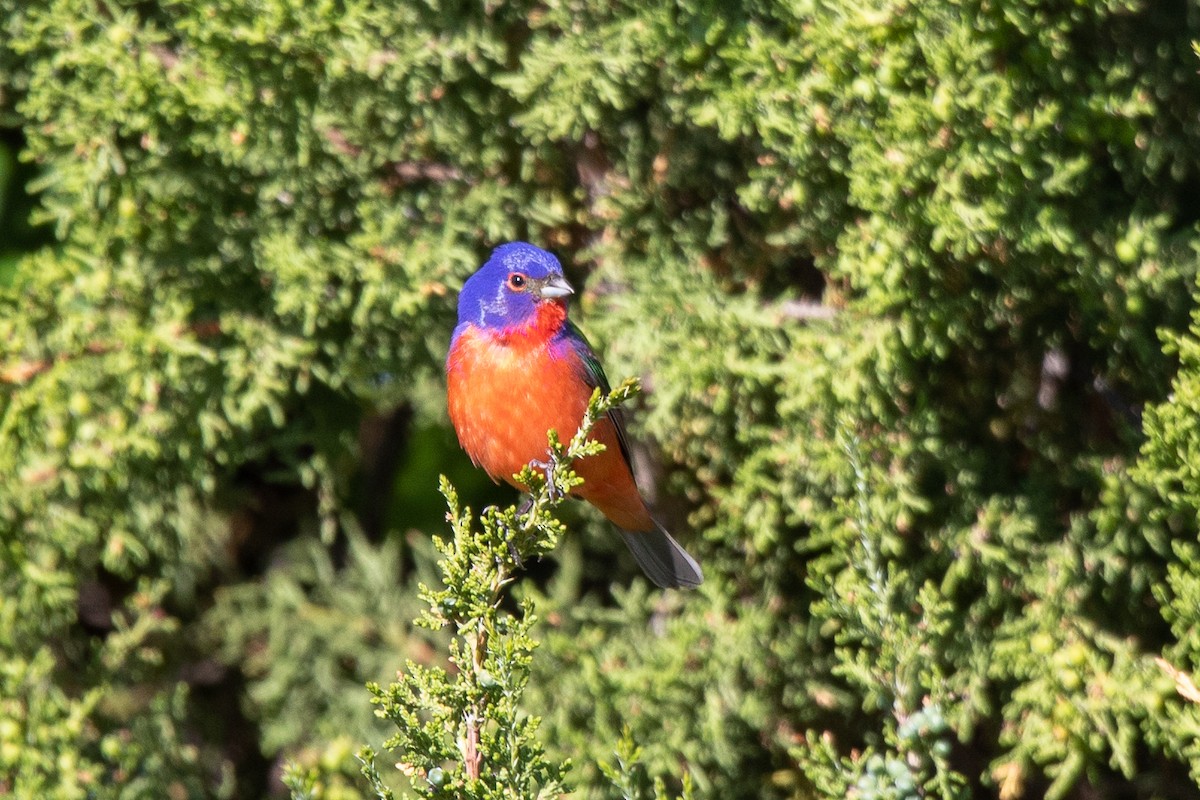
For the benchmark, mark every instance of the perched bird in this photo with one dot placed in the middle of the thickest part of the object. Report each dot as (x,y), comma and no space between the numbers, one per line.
(518,367)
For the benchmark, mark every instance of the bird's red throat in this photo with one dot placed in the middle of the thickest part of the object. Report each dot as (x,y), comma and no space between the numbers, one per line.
(548,319)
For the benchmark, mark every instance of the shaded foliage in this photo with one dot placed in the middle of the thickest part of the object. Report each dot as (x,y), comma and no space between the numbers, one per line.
(911,287)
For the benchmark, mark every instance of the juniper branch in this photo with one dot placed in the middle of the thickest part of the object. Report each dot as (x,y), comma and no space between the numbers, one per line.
(462,733)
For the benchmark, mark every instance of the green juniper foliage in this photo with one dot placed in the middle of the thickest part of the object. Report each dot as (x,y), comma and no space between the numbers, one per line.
(466,734)
(912,288)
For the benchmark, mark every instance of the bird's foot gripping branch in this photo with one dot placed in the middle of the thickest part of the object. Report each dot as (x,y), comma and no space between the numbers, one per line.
(460,731)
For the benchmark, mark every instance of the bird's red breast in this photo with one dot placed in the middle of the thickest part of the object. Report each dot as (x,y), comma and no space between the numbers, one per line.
(507,388)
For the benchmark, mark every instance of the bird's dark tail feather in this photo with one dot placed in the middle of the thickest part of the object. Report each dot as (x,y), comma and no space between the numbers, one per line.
(663,559)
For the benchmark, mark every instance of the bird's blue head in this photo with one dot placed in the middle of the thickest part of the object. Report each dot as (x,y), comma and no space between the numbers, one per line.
(506,291)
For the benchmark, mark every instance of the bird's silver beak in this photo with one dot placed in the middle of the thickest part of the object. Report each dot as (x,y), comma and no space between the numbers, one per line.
(556,286)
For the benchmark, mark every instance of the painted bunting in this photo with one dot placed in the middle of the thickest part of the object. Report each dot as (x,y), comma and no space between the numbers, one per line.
(518,367)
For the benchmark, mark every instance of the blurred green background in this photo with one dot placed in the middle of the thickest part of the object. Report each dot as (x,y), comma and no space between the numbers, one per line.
(911,287)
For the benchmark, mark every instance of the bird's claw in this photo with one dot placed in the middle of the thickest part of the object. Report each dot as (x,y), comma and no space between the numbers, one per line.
(510,541)
(514,553)
(548,467)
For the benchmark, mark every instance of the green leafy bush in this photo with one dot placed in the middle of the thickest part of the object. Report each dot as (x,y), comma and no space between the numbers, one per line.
(911,287)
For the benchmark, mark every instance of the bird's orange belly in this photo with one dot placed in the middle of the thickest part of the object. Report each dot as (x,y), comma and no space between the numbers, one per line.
(503,401)
(503,404)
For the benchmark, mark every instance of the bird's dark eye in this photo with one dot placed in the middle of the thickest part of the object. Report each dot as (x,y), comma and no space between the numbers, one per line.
(516,281)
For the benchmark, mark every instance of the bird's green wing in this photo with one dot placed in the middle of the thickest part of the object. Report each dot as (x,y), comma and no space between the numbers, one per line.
(594,375)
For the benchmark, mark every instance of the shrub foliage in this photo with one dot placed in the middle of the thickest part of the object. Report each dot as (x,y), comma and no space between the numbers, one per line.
(911,287)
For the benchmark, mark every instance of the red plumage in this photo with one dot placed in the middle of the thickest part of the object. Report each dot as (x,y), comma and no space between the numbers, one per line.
(507,388)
